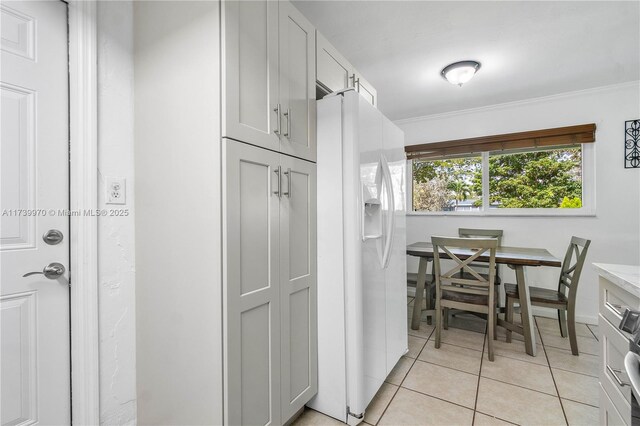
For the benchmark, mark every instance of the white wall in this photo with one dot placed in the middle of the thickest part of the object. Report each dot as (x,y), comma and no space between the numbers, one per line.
(178,212)
(614,230)
(116,254)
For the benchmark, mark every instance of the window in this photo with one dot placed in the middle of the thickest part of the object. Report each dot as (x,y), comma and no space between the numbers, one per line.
(447,185)
(547,178)
(536,179)
(547,172)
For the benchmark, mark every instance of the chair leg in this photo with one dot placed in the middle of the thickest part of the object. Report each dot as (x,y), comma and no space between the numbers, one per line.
(429,291)
(491,337)
(495,322)
(508,305)
(438,323)
(572,331)
(446,319)
(562,319)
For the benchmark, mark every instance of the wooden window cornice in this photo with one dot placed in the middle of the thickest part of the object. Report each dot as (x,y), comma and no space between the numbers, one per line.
(559,136)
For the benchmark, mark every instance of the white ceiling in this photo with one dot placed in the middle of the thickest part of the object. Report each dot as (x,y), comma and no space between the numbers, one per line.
(527,49)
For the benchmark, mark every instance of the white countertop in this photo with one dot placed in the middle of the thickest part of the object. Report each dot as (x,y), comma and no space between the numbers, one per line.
(624,276)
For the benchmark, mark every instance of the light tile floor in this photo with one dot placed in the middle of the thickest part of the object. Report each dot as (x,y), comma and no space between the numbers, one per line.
(458,385)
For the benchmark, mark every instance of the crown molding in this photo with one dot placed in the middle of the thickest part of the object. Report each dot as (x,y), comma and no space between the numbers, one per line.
(512,104)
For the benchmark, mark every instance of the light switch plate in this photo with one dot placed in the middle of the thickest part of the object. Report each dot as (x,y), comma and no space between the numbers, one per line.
(116,190)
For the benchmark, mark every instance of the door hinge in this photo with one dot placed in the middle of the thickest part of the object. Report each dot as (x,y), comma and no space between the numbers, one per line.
(352,418)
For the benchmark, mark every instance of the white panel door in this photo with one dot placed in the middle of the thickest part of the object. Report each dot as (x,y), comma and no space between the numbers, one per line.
(250,72)
(251,285)
(298,285)
(333,71)
(297,83)
(34,177)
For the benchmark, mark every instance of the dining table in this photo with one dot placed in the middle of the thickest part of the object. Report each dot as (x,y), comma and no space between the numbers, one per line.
(515,257)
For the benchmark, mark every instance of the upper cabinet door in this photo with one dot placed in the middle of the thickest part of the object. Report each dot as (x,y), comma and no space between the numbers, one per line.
(250,72)
(366,90)
(333,71)
(297,83)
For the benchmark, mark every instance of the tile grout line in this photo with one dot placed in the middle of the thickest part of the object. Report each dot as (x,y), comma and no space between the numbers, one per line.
(544,349)
(438,398)
(388,404)
(404,378)
(475,403)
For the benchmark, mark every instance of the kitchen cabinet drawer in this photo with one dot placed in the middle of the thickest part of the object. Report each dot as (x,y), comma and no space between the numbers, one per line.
(608,413)
(614,345)
(614,301)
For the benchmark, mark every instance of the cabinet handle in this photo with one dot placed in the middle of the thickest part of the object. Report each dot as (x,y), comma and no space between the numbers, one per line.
(288,115)
(277,111)
(615,373)
(618,309)
(288,174)
(353,80)
(278,173)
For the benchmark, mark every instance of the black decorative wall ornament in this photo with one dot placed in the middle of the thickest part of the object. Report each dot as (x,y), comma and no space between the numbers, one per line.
(632,144)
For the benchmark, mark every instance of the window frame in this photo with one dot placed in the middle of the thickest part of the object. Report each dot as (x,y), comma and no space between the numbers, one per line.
(588,193)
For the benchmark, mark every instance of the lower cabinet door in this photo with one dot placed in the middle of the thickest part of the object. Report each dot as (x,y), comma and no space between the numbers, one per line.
(251,296)
(298,285)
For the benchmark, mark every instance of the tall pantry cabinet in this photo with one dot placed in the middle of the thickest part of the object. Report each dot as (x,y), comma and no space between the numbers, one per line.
(225,212)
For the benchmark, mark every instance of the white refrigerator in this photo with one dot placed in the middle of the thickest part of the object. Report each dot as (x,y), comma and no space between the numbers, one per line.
(362,284)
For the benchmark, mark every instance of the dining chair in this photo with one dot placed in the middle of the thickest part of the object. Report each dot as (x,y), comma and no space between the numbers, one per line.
(483,233)
(429,289)
(475,293)
(564,298)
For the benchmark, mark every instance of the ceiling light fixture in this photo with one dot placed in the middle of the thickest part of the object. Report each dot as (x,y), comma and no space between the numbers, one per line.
(459,73)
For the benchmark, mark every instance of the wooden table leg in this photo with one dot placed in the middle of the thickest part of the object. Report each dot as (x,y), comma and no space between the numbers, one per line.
(417,302)
(525,311)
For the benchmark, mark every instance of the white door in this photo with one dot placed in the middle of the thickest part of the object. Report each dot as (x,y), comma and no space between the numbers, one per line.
(34,172)
(396,272)
(298,285)
(251,111)
(252,191)
(375,189)
(297,83)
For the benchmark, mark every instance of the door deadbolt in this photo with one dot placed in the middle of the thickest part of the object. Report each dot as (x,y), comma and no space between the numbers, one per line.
(53,237)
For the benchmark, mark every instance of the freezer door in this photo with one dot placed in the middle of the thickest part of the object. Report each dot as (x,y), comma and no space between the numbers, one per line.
(367,352)
(396,271)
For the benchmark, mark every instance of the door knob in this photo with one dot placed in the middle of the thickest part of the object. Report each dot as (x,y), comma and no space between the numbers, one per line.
(51,271)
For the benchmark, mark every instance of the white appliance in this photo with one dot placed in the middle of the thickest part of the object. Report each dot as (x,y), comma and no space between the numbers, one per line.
(362,280)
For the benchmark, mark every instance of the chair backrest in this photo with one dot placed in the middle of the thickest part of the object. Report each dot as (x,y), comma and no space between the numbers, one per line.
(451,280)
(482,233)
(572,267)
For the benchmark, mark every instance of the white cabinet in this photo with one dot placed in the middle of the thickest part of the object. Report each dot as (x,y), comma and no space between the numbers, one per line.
(250,72)
(268,76)
(297,83)
(615,397)
(334,72)
(270,325)
(366,89)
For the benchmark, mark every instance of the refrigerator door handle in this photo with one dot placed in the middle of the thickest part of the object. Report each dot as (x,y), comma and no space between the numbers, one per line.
(389,231)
